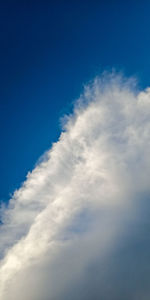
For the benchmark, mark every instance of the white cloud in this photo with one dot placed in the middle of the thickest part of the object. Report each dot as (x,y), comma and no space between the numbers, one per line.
(74,206)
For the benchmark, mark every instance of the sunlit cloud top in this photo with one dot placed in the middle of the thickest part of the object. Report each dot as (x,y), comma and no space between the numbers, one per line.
(75,212)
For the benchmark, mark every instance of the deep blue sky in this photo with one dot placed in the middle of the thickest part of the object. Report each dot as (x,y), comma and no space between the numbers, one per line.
(48,50)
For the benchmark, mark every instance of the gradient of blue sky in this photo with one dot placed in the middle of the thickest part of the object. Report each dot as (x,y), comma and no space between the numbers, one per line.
(48,49)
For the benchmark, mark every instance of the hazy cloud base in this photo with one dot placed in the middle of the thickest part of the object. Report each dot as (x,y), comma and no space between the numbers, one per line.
(78,228)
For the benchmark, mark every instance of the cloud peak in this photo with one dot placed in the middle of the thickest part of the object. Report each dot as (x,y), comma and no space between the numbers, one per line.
(69,214)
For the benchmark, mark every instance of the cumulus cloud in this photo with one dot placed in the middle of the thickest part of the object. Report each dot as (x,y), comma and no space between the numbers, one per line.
(78,228)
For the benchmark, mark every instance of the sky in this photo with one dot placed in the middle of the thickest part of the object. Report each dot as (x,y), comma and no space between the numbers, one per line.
(75,168)
(49,50)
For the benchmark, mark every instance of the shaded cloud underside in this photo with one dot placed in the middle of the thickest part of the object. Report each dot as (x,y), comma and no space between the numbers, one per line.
(78,228)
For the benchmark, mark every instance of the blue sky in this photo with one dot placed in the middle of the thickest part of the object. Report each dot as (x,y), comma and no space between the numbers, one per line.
(49,49)
(78,226)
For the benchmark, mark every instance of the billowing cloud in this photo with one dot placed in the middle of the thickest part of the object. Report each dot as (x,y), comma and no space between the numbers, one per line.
(78,228)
